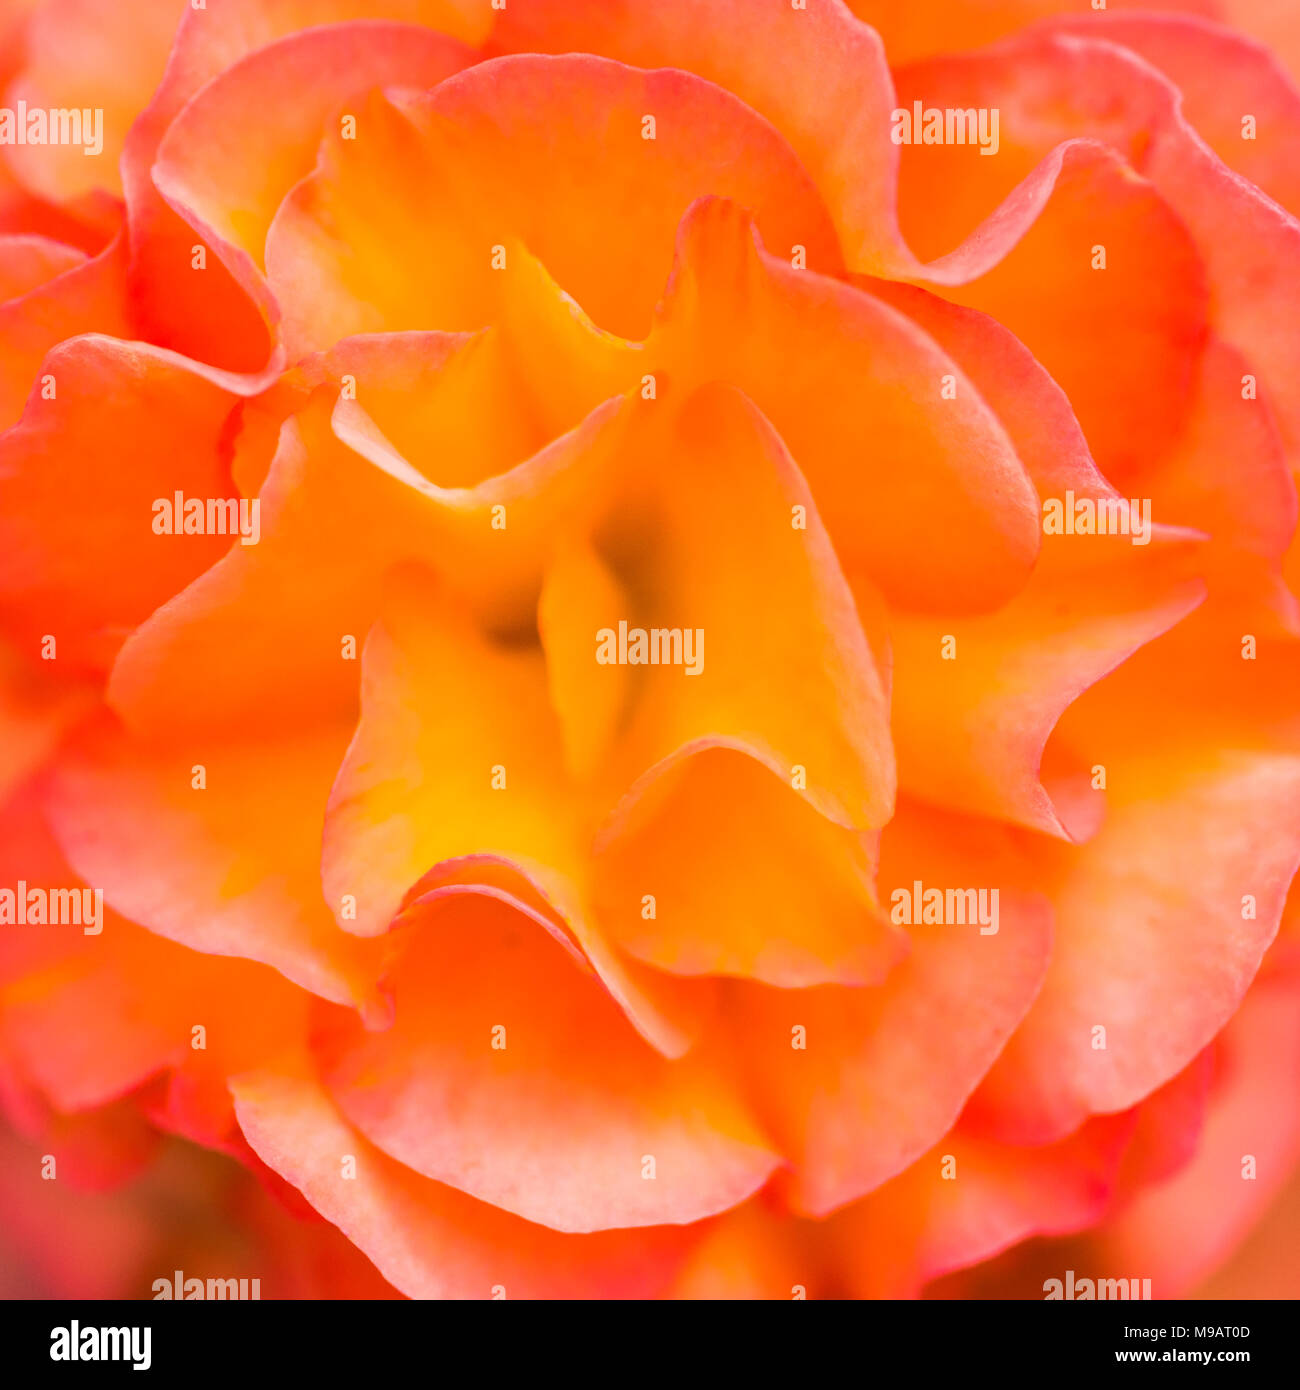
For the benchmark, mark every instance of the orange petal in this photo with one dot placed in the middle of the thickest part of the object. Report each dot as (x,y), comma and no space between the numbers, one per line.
(746,880)
(820,77)
(746,575)
(1049,88)
(1253,1113)
(579,594)
(262,637)
(204,314)
(949,480)
(28,261)
(412,228)
(334,518)
(86,296)
(90,1016)
(1155,944)
(883,1072)
(123,427)
(427,1239)
(86,56)
(1028,404)
(457,754)
(751,1252)
(281,98)
(1221,77)
(37,705)
(969,1199)
(1144,312)
(118,1013)
(228,868)
(1170,1122)
(95,1151)
(28,852)
(1249,510)
(972,719)
(488,1081)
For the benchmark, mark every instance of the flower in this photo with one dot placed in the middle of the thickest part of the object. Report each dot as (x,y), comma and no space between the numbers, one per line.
(651,649)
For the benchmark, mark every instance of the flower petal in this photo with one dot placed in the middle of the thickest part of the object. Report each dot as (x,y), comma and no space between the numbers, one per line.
(949,479)
(280,98)
(818,75)
(767,889)
(488,1081)
(429,1240)
(1154,945)
(87,296)
(458,755)
(88,57)
(972,719)
(124,426)
(884,1071)
(230,867)
(410,228)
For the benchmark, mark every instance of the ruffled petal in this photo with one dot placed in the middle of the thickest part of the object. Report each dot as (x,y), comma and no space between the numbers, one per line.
(427,1239)
(771,891)
(949,481)
(280,98)
(411,227)
(817,74)
(83,56)
(856,1084)
(228,867)
(116,430)
(487,1081)
(1162,920)
(87,295)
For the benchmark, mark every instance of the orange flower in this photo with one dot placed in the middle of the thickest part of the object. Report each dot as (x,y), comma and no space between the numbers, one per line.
(651,649)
